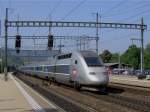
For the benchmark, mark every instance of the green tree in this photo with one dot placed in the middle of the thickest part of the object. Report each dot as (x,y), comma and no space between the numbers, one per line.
(147,57)
(106,56)
(132,56)
(114,58)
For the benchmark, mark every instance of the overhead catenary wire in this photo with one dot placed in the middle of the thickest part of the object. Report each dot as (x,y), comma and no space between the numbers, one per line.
(73,9)
(133,16)
(56,6)
(138,14)
(52,11)
(129,10)
(113,7)
(118,38)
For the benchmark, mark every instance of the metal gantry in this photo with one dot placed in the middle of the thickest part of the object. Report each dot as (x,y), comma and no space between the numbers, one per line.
(57,37)
(73,24)
(49,24)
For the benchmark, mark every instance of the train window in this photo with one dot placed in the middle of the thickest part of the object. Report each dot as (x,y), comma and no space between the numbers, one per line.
(63,69)
(65,56)
(50,68)
(45,68)
(39,68)
(76,61)
(93,61)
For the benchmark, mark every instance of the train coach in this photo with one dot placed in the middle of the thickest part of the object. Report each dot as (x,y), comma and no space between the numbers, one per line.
(78,68)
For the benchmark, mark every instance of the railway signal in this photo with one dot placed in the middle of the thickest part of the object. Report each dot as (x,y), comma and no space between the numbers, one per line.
(18,43)
(50,41)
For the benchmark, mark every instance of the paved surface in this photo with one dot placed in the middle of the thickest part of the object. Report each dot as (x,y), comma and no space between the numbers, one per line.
(129,80)
(15,96)
(11,99)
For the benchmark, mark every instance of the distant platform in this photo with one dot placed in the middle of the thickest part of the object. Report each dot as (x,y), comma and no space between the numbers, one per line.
(129,80)
(15,96)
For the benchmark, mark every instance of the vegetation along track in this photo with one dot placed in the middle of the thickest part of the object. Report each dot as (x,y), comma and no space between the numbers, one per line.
(88,100)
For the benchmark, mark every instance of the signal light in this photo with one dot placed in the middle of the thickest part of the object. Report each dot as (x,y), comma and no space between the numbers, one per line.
(18,43)
(50,41)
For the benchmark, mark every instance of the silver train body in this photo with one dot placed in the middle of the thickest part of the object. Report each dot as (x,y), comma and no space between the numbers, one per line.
(80,68)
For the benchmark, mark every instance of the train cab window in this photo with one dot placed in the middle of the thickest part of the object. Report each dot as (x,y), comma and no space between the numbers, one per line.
(76,61)
(93,61)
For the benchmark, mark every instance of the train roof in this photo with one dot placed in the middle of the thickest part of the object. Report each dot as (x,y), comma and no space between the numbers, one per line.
(82,52)
(85,53)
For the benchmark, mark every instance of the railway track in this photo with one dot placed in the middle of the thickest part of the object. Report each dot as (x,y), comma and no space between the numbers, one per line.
(120,100)
(131,88)
(123,101)
(71,104)
(65,103)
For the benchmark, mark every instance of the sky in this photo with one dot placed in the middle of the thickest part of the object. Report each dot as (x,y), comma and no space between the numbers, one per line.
(115,40)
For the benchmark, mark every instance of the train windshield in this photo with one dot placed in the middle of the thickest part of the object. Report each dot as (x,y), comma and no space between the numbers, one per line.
(93,61)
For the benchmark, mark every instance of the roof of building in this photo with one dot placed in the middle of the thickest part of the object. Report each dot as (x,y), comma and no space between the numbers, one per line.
(113,64)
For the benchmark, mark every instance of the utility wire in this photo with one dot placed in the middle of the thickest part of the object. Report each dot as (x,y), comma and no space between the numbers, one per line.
(127,11)
(74,8)
(138,14)
(118,38)
(133,16)
(114,7)
(55,7)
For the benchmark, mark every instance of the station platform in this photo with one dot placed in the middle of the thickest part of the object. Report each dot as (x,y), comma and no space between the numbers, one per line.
(16,97)
(129,80)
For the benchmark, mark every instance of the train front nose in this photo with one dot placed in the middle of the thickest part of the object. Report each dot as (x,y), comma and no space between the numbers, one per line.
(98,78)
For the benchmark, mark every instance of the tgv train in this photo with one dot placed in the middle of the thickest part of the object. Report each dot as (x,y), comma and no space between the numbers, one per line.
(79,68)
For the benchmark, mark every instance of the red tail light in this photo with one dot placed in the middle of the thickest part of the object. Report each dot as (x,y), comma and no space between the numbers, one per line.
(109,72)
(74,72)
